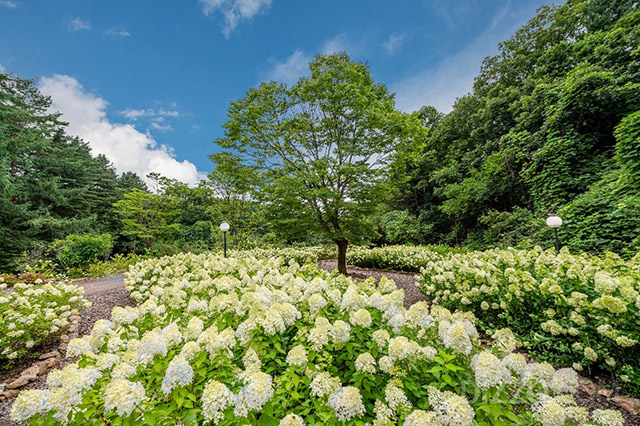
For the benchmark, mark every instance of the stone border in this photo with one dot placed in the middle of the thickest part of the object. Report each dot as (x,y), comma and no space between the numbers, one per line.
(45,362)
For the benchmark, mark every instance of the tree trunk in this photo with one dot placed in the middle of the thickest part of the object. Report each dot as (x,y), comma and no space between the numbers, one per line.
(342,255)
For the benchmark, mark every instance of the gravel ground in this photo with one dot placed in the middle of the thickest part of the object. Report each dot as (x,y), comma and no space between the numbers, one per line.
(404,280)
(102,304)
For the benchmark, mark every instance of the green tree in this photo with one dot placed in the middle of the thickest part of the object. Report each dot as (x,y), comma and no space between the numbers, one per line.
(233,186)
(320,148)
(50,185)
(145,216)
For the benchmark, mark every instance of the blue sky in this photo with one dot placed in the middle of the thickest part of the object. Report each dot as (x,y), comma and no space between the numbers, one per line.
(148,83)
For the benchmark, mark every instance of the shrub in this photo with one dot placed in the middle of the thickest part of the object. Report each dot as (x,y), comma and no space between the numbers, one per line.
(31,316)
(257,341)
(576,310)
(78,251)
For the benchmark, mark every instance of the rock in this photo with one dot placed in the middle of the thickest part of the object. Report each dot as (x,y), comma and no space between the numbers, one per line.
(31,371)
(587,386)
(51,362)
(63,347)
(605,392)
(10,393)
(43,367)
(30,374)
(52,354)
(630,404)
(64,338)
(18,383)
(75,318)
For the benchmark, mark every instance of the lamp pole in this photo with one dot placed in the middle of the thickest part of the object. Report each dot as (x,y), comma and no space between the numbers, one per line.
(554,222)
(224,227)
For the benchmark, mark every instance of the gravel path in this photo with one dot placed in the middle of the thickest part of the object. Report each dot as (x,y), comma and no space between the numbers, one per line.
(404,280)
(104,294)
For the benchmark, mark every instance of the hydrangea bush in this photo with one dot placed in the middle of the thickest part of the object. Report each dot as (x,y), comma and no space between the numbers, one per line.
(260,341)
(32,315)
(577,310)
(398,258)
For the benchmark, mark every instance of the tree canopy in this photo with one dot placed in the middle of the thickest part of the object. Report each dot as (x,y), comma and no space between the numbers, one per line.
(319,149)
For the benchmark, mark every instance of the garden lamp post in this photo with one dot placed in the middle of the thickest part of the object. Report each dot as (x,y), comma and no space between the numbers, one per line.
(224,227)
(554,222)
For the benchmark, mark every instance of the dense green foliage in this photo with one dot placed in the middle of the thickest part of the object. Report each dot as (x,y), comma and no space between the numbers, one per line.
(574,310)
(551,125)
(319,149)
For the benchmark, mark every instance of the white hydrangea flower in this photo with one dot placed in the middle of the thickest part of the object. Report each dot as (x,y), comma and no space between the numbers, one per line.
(324,384)
(340,332)
(29,403)
(395,398)
(366,363)
(381,337)
(456,337)
(178,373)
(292,420)
(488,370)
(607,417)
(422,418)
(257,391)
(361,318)
(297,356)
(152,344)
(549,411)
(399,348)
(216,397)
(346,403)
(564,380)
(386,363)
(123,396)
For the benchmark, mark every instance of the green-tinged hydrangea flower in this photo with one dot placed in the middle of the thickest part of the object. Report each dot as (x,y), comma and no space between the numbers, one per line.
(123,396)
(549,411)
(29,403)
(297,356)
(216,397)
(504,341)
(590,354)
(292,420)
(324,384)
(366,363)
(607,417)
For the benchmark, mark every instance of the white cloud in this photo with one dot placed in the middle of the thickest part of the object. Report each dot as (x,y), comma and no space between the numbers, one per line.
(128,148)
(78,24)
(134,114)
(234,11)
(394,42)
(2,69)
(297,64)
(441,84)
(115,32)
(9,4)
(338,44)
(161,127)
(289,71)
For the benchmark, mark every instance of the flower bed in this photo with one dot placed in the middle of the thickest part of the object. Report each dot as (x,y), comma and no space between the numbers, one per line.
(576,310)
(397,258)
(32,315)
(257,341)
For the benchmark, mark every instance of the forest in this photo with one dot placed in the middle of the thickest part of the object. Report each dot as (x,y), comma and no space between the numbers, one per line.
(552,125)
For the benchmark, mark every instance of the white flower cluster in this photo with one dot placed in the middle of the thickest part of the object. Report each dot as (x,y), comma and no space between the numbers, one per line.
(31,313)
(241,336)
